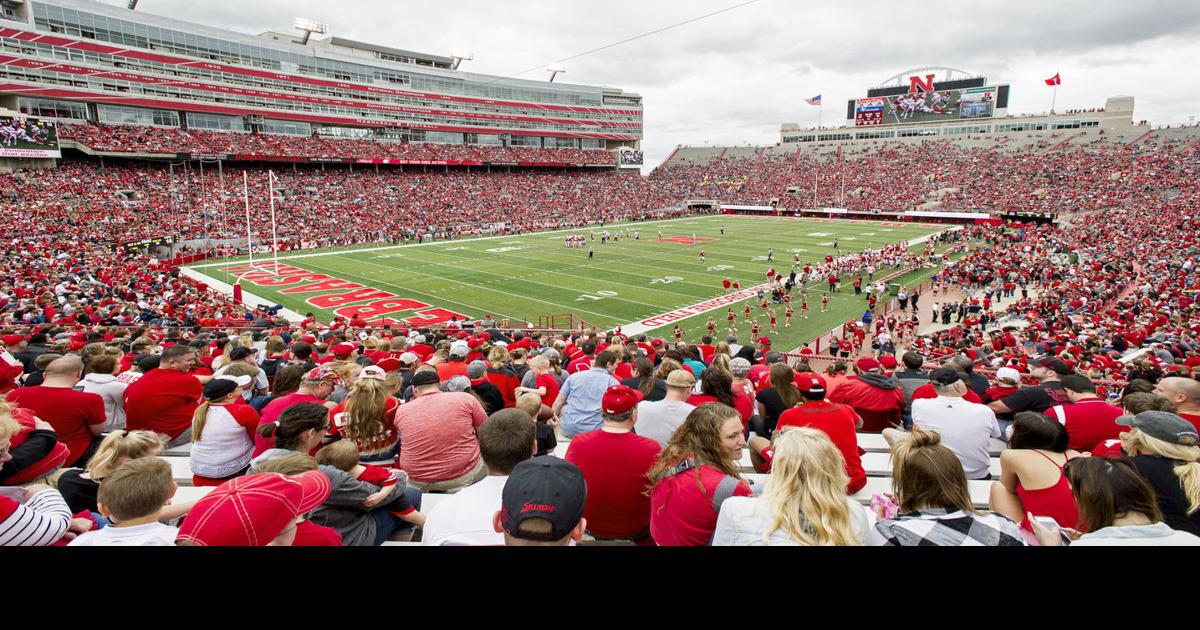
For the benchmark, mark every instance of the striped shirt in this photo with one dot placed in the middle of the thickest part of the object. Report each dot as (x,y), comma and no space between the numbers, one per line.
(39,522)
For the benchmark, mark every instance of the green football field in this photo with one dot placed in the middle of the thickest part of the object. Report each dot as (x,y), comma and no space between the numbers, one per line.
(629,283)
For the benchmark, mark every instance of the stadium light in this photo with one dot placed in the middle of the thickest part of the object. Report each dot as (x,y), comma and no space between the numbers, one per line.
(132,4)
(460,56)
(309,27)
(555,69)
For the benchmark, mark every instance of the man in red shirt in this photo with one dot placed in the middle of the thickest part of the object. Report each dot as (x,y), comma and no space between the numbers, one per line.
(878,399)
(1088,419)
(583,363)
(839,422)
(78,418)
(614,462)
(1185,393)
(165,398)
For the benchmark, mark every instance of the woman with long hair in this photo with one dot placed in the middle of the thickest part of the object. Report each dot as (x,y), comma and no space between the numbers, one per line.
(652,388)
(778,398)
(1032,477)
(500,374)
(717,387)
(1163,448)
(222,432)
(1118,507)
(804,502)
(694,474)
(366,417)
(929,488)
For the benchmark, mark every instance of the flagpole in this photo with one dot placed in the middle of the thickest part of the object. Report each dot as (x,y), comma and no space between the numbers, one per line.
(274,235)
(246,197)
(1054,99)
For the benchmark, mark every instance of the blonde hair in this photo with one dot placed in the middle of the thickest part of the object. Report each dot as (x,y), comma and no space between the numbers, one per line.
(365,414)
(720,363)
(497,356)
(807,490)
(342,455)
(926,474)
(8,425)
(530,403)
(723,349)
(120,446)
(1188,469)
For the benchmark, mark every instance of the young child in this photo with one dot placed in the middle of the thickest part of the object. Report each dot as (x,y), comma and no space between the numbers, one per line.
(343,455)
(132,499)
(531,404)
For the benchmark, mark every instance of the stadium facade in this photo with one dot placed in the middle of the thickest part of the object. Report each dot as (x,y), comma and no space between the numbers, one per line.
(79,61)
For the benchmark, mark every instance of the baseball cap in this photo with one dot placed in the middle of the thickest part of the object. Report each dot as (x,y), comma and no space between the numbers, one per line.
(739,367)
(12,340)
(1049,361)
(867,364)
(887,361)
(322,373)
(1163,425)
(457,384)
(389,364)
(1008,374)
(343,349)
(551,354)
(221,386)
(409,358)
(476,369)
(428,377)
(373,372)
(763,341)
(681,378)
(461,351)
(773,357)
(620,399)
(251,511)
(945,376)
(810,382)
(543,487)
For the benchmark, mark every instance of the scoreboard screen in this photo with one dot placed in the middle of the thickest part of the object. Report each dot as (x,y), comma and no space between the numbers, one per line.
(924,107)
(22,137)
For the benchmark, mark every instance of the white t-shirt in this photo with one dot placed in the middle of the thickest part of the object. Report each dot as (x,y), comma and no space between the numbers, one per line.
(658,420)
(465,518)
(1157,535)
(742,522)
(966,429)
(148,535)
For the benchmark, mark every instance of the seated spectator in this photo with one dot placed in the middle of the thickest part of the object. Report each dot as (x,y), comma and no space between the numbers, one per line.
(308,533)
(437,430)
(222,432)
(34,450)
(343,455)
(934,503)
(132,500)
(506,439)
(1117,507)
(100,378)
(716,386)
(659,420)
(840,424)
(1088,418)
(34,516)
(615,463)
(804,502)
(781,396)
(876,398)
(255,510)
(966,428)
(286,381)
(80,487)
(367,418)
(1048,371)
(546,422)
(694,475)
(910,378)
(653,389)
(77,417)
(542,504)
(1185,393)
(352,506)
(489,395)
(165,399)
(578,402)
(315,387)
(1165,452)
(1032,478)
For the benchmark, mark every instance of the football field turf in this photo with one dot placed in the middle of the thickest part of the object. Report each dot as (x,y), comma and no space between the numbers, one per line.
(527,277)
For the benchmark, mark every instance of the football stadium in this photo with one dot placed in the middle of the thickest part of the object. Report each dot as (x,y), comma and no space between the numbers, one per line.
(293,288)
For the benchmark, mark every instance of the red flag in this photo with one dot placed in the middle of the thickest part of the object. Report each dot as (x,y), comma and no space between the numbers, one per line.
(1054,80)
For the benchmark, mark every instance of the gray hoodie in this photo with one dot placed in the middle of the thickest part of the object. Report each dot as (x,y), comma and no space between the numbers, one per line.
(879,380)
(343,510)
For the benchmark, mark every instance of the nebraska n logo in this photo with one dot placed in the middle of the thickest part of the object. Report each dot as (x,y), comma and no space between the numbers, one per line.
(915,84)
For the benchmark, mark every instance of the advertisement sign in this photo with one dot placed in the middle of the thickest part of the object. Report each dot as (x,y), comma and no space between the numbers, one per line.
(22,137)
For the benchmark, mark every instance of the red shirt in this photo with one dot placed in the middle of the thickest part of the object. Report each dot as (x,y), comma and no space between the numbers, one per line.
(68,411)
(163,401)
(1089,422)
(998,393)
(581,364)
(681,510)
(741,402)
(450,369)
(338,420)
(309,534)
(615,466)
(437,435)
(839,422)
(1194,418)
(548,381)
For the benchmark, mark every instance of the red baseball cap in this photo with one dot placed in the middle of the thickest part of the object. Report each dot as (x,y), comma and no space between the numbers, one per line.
(12,340)
(343,349)
(888,361)
(657,343)
(867,363)
(810,382)
(251,511)
(763,341)
(389,364)
(620,399)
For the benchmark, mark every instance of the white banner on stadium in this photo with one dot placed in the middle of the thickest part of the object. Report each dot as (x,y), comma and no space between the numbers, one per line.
(29,153)
(750,208)
(659,321)
(947,215)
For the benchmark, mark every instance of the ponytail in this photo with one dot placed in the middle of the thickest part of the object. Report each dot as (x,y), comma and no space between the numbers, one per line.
(293,422)
(198,418)
(1189,478)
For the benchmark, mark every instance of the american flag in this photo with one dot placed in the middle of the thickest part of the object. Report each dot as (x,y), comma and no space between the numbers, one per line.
(816,100)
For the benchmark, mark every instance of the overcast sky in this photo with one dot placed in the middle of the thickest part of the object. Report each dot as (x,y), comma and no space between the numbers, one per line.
(733,78)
